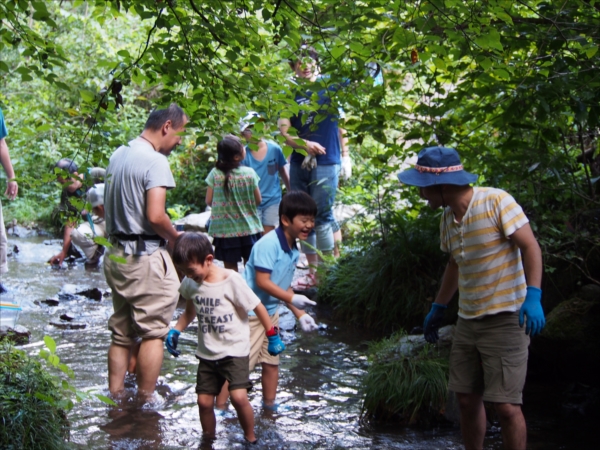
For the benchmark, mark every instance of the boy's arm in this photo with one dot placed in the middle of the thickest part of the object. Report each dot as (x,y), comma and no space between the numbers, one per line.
(276,345)
(263,317)
(187,317)
(263,281)
(172,338)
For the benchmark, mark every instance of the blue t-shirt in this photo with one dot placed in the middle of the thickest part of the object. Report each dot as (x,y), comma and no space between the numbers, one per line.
(268,171)
(271,254)
(326,131)
(3,130)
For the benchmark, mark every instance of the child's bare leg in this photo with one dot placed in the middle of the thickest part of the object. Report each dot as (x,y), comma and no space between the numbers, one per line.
(270,379)
(221,402)
(133,354)
(207,415)
(239,400)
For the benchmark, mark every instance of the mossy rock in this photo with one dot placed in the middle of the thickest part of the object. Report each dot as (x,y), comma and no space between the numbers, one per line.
(576,319)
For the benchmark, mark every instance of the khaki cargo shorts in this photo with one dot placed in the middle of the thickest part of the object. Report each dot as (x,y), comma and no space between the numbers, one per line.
(259,343)
(489,357)
(145,294)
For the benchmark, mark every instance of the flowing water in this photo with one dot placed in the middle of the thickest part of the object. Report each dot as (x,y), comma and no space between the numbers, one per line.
(319,390)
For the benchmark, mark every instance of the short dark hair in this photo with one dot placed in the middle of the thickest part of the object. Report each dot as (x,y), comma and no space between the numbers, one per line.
(191,248)
(158,117)
(66,164)
(304,51)
(296,203)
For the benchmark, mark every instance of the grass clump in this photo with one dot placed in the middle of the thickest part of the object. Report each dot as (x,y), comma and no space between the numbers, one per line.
(30,412)
(387,284)
(411,389)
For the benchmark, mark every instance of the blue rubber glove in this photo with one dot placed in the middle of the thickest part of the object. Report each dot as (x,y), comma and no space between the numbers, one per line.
(171,342)
(276,345)
(433,321)
(532,308)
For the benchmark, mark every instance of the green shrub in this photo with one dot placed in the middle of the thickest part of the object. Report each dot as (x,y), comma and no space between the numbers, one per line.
(30,409)
(412,389)
(390,283)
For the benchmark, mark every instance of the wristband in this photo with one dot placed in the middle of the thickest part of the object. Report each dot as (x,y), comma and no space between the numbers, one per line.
(274,331)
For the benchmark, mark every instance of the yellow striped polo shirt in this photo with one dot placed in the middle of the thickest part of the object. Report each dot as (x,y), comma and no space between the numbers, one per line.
(490,272)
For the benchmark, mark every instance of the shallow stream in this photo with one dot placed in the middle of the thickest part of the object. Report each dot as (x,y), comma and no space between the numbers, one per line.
(319,388)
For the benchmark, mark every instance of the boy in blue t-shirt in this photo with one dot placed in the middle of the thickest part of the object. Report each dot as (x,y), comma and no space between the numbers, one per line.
(269,163)
(269,273)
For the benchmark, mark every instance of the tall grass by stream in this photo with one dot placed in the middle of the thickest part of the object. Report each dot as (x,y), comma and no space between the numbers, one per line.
(388,284)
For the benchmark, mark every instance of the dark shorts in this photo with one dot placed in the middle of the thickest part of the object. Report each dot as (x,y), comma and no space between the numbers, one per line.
(489,358)
(213,374)
(233,249)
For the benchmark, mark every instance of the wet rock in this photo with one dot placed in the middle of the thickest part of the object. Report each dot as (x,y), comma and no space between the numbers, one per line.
(68,292)
(411,345)
(93,293)
(194,222)
(68,317)
(53,242)
(68,325)
(107,293)
(21,232)
(18,334)
(51,301)
(15,249)
(576,319)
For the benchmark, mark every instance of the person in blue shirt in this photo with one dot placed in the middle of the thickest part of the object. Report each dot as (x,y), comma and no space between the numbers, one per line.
(322,140)
(269,163)
(269,273)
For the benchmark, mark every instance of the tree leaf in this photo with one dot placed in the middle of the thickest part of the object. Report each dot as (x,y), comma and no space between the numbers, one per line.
(50,343)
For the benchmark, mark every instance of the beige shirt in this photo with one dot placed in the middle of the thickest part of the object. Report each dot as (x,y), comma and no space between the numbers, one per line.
(222,311)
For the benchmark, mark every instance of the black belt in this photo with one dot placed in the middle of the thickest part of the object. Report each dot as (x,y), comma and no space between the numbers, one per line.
(140,239)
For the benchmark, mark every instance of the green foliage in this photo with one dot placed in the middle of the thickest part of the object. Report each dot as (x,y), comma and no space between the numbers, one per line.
(387,285)
(30,404)
(411,389)
(67,390)
(512,85)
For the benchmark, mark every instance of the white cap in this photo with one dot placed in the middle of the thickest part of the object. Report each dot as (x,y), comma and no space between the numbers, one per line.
(248,120)
(96,195)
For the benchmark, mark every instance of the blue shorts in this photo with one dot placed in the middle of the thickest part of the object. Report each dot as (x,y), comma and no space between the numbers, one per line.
(269,216)
(233,249)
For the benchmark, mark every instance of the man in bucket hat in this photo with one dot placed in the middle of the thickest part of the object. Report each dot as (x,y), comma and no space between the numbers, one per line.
(496,265)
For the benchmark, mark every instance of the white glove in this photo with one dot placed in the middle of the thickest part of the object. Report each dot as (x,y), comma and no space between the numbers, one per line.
(307,323)
(346,169)
(302,301)
(309,163)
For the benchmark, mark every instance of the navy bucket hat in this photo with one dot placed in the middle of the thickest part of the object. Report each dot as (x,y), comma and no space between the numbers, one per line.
(437,165)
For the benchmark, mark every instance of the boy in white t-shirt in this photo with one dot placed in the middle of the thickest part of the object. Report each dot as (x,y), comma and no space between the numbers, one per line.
(221,300)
